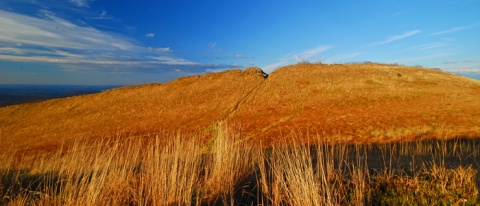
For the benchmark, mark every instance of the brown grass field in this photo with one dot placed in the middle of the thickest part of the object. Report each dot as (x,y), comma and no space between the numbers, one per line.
(345,103)
(307,134)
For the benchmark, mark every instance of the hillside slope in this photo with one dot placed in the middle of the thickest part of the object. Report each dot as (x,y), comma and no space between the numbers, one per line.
(186,104)
(363,103)
(353,102)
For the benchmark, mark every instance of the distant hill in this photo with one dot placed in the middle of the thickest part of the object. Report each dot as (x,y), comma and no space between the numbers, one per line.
(18,94)
(351,102)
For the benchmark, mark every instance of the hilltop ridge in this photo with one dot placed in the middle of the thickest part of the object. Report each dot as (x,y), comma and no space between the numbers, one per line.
(351,102)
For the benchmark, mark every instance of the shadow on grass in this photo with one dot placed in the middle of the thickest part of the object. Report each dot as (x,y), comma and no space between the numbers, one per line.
(394,171)
(24,183)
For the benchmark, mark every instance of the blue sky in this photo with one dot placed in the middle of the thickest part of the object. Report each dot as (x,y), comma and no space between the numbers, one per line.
(135,42)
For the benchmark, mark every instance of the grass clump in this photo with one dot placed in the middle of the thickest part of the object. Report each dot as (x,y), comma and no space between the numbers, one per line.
(435,186)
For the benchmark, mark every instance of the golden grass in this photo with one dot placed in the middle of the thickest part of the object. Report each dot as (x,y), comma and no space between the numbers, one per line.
(352,102)
(187,104)
(227,171)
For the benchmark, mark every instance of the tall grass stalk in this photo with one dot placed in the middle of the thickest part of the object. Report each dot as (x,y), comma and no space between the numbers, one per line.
(225,170)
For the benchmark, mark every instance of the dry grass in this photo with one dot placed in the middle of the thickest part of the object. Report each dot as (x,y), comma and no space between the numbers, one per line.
(227,171)
(363,103)
(310,134)
(186,104)
(352,102)
(183,171)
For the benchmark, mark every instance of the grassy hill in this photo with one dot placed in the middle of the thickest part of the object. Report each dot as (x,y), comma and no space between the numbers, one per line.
(343,103)
(183,142)
(363,103)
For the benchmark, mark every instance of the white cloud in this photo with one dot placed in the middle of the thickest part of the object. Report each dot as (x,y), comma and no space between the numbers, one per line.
(212,44)
(11,50)
(398,37)
(160,49)
(215,70)
(423,47)
(465,70)
(51,39)
(298,59)
(468,66)
(271,67)
(450,62)
(150,35)
(239,56)
(101,16)
(336,59)
(213,47)
(307,55)
(470,61)
(171,61)
(460,28)
(421,57)
(81,3)
(55,32)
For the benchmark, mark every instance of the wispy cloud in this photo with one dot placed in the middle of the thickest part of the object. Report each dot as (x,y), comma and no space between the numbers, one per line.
(307,55)
(471,61)
(236,56)
(150,35)
(11,50)
(239,56)
(212,44)
(49,38)
(460,28)
(465,70)
(336,59)
(468,61)
(450,62)
(422,47)
(171,61)
(54,32)
(468,66)
(160,49)
(421,57)
(98,16)
(81,3)
(213,47)
(401,12)
(398,37)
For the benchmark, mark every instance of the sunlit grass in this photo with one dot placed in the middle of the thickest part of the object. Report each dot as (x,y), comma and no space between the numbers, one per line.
(186,170)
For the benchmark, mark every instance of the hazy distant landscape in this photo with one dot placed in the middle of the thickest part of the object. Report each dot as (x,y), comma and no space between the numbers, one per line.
(17,94)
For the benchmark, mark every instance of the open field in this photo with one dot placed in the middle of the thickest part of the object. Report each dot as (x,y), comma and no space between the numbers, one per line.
(226,171)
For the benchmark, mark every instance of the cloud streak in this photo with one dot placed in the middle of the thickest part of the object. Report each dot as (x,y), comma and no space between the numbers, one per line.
(422,57)
(336,59)
(160,49)
(456,29)
(305,56)
(239,56)
(54,32)
(81,3)
(465,70)
(467,66)
(422,47)
(51,39)
(398,37)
